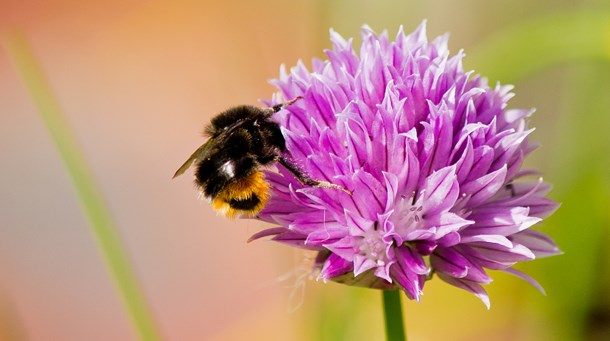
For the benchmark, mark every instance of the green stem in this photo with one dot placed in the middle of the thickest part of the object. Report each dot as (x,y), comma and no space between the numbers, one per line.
(394,323)
(102,225)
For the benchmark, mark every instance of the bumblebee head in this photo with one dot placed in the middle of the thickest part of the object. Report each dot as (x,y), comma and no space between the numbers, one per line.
(246,196)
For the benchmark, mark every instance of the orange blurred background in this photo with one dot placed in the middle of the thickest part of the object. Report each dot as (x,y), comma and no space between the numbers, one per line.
(137,80)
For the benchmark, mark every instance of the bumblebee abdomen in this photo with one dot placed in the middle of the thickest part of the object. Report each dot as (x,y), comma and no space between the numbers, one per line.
(247,196)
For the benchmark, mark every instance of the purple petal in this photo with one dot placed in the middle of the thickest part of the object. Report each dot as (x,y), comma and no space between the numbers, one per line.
(425,247)
(450,239)
(488,238)
(539,243)
(268,232)
(312,222)
(369,196)
(440,191)
(450,262)
(508,146)
(484,187)
(526,278)
(446,223)
(476,257)
(464,163)
(411,283)
(383,272)
(495,252)
(483,157)
(344,248)
(513,116)
(295,239)
(411,260)
(541,207)
(409,272)
(503,221)
(356,225)
(335,266)
(435,143)
(326,235)
(362,264)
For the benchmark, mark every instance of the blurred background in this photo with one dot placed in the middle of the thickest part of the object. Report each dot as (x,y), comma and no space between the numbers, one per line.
(136,81)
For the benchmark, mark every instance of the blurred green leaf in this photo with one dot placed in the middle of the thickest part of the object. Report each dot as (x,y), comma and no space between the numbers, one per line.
(581,163)
(582,183)
(519,50)
(102,226)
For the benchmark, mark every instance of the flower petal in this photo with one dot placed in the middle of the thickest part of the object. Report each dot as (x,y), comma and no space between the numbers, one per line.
(450,262)
(362,264)
(446,223)
(484,187)
(539,243)
(335,266)
(526,278)
(440,191)
(344,248)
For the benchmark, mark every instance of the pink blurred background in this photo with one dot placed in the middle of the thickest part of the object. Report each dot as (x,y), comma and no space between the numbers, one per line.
(137,80)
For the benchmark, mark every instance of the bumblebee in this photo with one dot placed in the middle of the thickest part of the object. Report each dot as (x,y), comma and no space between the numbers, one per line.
(242,140)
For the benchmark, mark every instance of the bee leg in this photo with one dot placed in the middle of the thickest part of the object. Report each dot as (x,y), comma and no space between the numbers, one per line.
(279,107)
(306,179)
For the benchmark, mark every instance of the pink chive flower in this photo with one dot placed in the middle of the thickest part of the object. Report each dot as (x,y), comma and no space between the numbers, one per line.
(433,158)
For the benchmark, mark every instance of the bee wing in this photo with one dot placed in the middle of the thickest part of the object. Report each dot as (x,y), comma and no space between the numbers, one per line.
(197,155)
(209,147)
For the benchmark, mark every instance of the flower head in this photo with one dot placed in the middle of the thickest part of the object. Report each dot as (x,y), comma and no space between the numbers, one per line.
(431,155)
